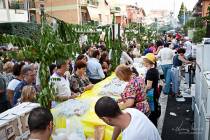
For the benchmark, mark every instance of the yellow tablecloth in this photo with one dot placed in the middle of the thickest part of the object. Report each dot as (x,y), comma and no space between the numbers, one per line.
(90,119)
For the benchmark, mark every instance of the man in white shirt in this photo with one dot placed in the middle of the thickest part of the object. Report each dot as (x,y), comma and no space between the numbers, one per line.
(133,124)
(40,122)
(94,69)
(60,82)
(188,47)
(166,58)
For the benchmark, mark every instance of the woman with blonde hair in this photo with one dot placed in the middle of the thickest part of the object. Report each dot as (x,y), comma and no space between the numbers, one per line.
(8,69)
(28,94)
(132,96)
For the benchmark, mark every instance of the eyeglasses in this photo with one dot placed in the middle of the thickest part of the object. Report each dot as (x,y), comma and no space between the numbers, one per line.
(32,75)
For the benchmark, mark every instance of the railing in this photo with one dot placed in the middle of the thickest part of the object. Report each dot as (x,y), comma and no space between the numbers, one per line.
(115,10)
(90,2)
(93,2)
(21,5)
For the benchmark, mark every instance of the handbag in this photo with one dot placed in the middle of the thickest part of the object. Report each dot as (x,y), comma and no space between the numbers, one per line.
(150,99)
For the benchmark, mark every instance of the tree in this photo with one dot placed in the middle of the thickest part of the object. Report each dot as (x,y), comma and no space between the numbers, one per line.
(182,13)
(208,23)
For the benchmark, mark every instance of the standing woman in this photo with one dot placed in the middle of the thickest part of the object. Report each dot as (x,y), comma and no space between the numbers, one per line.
(151,88)
(104,61)
(175,71)
(13,84)
(132,96)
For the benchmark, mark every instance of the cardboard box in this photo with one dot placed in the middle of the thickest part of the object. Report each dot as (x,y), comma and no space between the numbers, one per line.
(14,122)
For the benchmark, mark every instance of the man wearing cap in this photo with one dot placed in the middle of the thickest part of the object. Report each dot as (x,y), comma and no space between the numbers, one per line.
(60,82)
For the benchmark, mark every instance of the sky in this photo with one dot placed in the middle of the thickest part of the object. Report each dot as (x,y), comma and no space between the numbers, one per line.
(162,4)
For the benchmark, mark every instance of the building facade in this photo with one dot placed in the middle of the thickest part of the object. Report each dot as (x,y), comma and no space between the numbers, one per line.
(201,8)
(17,11)
(77,11)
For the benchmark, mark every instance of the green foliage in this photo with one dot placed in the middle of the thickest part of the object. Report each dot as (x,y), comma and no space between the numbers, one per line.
(181,13)
(198,24)
(143,34)
(199,34)
(48,45)
(26,30)
(208,23)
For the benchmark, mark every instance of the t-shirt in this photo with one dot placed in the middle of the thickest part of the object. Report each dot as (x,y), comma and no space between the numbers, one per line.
(61,85)
(13,84)
(152,75)
(140,127)
(166,56)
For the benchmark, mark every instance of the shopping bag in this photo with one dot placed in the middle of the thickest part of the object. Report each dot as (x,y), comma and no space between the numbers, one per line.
(150,99)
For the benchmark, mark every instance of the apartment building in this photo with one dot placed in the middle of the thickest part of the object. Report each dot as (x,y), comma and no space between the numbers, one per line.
(77,11)
(17,11)
(201,8)
(135,14)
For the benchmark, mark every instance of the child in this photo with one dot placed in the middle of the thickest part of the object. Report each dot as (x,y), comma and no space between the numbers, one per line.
(28,94)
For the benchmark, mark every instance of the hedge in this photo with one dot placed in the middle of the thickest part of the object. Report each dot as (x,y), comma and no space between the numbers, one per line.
(28,30)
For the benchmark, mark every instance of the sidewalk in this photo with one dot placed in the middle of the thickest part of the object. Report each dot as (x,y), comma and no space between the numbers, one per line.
(176,120)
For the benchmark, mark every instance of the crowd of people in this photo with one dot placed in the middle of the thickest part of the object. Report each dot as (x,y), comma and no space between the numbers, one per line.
(19,82)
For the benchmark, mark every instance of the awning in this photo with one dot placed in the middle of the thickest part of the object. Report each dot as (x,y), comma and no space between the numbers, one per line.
(94,13)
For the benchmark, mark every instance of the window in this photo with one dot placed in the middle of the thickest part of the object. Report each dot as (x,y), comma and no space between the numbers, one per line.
(2,4)
(16,4)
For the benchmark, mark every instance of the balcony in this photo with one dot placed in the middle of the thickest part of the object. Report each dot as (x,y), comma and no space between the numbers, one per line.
(115,10)
(89,3)
(28,5)
(15,15)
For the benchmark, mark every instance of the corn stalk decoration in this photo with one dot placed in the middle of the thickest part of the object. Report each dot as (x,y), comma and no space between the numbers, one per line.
(143,34)
(62,42)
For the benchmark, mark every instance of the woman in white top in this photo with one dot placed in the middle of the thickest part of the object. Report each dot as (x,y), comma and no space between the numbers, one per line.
(13,84)
(125,58)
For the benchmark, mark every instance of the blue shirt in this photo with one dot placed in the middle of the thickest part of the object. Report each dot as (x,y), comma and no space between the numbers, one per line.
(94,69)
(18,91)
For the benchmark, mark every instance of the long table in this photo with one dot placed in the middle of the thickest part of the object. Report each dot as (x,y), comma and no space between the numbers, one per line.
(89,120)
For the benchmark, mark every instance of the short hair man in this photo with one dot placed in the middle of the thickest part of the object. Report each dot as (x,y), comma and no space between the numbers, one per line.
(40,122)
(60,81)
(29,76)
(133,123)
(94,68)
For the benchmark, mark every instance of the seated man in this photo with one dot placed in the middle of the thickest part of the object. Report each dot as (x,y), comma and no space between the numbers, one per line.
(133,123)
(40,122)
(94,68)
